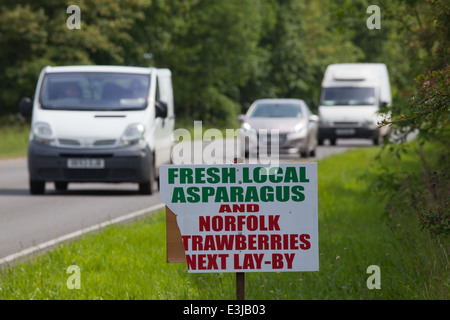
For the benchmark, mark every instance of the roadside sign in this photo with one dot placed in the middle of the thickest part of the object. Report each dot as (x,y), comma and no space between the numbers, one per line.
(242,217)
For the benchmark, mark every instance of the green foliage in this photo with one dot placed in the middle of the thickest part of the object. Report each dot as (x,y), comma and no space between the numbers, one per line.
(223,54)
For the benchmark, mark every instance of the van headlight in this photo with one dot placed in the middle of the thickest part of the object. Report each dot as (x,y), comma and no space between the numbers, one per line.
(42,133)
(133,134)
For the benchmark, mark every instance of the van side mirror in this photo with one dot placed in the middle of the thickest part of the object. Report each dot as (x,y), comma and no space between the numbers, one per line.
(160,109)
(25,107)
(383,105)
(241,117)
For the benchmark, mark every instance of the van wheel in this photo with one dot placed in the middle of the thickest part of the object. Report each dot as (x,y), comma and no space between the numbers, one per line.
(37,187)
(148,187)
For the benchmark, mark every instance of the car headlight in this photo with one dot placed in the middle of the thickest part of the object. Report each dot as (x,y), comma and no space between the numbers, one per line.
(246,127)
(132,134)
(42,133)
(299,128)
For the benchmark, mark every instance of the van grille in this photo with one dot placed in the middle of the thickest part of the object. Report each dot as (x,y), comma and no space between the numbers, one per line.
(346,123)
(73,143)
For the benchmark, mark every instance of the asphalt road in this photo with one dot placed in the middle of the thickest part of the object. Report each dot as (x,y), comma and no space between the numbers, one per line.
(27,221)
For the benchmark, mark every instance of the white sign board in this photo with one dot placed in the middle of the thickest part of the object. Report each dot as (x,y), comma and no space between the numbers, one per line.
(245,217)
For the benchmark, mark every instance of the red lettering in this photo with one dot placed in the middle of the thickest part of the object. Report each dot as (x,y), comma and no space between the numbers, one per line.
(277,261)
(251,241)
(217,223)
(263,242)
(305,244)
(238,207)
(224,242)
(275,242)
(293,241)
(240,222)
(224,208)
(230,223)
(210,244)
(240,242)
(191,262)
(252,223)
(273,223)
(201,262)
(204,223)
(197,243)
(289,258)
(185,240)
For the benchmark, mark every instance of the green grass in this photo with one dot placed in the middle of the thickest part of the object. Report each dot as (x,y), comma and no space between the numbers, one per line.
(128,261)
(13,138)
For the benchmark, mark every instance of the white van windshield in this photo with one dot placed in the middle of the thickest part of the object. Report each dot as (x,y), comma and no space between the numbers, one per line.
(348,96)
(95,91)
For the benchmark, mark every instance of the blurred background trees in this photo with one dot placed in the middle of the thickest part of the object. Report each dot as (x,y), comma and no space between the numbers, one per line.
(223,54)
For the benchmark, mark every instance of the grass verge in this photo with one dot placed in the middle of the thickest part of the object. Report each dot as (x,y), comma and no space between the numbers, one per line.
(355,232)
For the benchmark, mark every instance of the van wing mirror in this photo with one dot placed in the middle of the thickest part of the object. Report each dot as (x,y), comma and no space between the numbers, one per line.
(25,107)
(160,109)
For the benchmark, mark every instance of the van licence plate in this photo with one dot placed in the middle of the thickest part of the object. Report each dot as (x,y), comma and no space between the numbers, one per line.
(345,132)
(85,163)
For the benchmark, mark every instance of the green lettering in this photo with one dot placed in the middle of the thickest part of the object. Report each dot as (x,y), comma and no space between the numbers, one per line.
(290,175)
(213,176)
(222,195)
(229,175)
(282,193)
(178,195)
(298,195)
(172,172)
(258,176)
(206,193)
(267,194)
(303,175)
(272,174)
(199,175)
(193,193)
(236,194)
(186,175)
(251,194)
(245,174)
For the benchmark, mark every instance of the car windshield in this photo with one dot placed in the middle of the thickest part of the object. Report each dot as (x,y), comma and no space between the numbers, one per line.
(276,110)
(95,91)
(348,96)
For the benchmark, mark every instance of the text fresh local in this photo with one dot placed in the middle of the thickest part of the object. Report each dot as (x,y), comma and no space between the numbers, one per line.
(287,190)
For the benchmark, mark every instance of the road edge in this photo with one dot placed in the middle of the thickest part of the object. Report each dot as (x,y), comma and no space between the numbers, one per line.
(73,235)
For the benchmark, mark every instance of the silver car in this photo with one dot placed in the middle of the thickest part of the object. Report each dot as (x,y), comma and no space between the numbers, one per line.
(279,125)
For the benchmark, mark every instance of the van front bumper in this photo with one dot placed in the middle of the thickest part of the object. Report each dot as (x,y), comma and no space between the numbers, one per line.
(356,132)
(124,164)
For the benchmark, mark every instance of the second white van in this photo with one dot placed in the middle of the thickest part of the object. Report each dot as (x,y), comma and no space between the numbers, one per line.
(351,98)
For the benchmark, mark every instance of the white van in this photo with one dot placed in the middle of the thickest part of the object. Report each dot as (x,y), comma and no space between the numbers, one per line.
(352,95)
(99,124)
